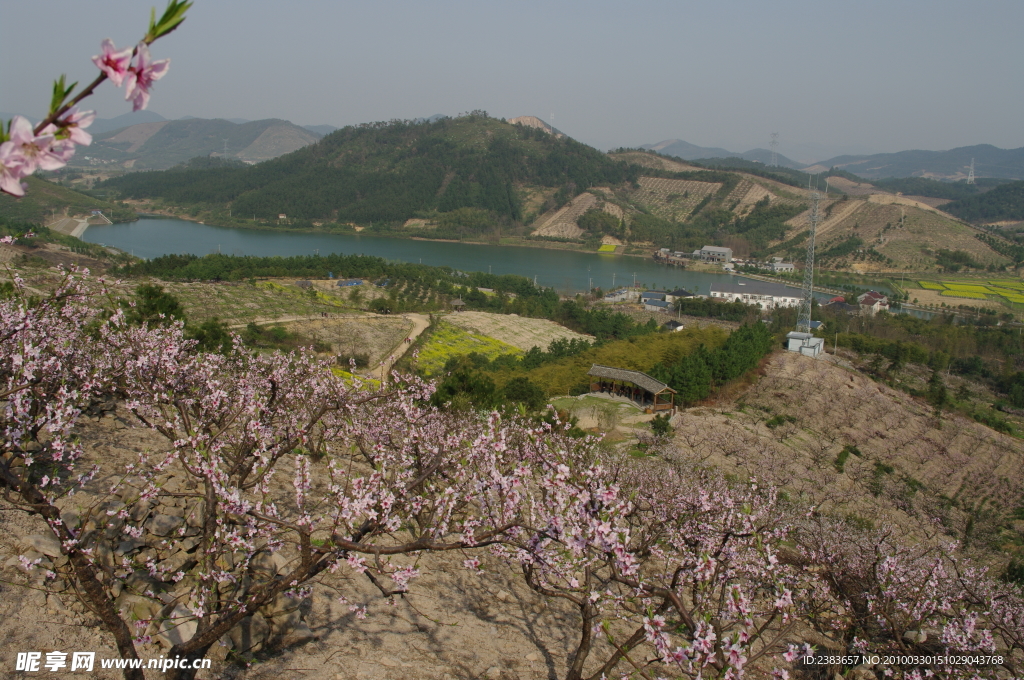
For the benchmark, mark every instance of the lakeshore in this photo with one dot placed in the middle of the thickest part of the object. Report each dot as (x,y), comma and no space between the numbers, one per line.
(567,271)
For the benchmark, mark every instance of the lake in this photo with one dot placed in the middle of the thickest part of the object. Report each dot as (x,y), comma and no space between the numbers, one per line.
(566,271)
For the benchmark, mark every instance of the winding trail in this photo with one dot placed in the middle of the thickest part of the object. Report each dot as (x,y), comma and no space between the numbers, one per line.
(420,323)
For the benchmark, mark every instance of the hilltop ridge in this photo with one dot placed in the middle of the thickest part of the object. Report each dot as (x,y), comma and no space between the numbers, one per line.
(161,144)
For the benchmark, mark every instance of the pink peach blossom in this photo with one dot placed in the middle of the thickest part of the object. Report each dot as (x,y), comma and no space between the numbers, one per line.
(113,63)
(142,76)
(42,152)
(12,169)
(74,123)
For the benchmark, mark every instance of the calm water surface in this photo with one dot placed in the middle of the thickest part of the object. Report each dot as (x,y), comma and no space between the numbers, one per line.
(563,270)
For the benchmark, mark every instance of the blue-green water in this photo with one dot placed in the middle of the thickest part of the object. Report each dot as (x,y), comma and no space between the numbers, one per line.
(563,270)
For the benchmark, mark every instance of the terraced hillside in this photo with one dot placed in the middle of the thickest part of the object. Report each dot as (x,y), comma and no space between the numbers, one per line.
(561,223)
(672,199)
(876,234)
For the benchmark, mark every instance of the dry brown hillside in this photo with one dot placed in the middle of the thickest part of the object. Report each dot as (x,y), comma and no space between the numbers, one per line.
(908,235)
(648,160)
(904,465)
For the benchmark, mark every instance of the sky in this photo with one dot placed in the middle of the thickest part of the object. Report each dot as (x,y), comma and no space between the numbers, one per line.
(829,77)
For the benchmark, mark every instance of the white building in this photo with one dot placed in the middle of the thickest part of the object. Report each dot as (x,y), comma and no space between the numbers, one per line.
(782,266)
(764,295)
(805,343)
(713,254)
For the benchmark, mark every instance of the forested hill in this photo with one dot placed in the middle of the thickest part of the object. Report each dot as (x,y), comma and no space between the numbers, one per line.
(392,172)
(1005,202)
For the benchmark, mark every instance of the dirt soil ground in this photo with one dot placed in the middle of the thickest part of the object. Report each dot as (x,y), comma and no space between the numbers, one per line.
(908,461)
(932,297)
(518,331)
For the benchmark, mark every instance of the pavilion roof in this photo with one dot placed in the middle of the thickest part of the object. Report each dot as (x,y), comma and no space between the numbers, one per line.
(636,377)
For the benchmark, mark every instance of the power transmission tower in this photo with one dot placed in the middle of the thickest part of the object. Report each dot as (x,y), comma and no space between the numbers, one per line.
(970,173)
(803,323)
(775,152)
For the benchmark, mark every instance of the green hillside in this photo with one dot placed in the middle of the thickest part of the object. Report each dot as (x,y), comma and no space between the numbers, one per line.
(1004,203)
(45,199)
(391,172)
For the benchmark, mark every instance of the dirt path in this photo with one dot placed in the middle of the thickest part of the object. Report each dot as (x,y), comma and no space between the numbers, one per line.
(420,323)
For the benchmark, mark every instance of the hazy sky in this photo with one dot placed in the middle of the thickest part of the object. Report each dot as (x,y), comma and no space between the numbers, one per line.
(829,77)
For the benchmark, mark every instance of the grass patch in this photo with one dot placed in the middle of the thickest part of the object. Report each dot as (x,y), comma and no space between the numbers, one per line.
(606,248)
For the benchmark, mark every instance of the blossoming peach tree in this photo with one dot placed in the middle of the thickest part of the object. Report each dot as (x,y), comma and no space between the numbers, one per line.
(193,541)
(51,143)
(274,473)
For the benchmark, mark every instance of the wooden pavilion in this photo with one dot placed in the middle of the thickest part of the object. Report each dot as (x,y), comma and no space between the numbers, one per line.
(653,396)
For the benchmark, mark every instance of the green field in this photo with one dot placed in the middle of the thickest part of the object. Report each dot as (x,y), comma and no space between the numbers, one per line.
(447,341)
(1010,290)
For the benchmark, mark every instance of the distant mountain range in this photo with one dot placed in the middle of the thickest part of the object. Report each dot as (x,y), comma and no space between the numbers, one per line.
(692,152)
(161,144)
(952,165)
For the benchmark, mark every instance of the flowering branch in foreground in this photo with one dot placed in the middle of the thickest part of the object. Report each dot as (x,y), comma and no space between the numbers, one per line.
(49,145)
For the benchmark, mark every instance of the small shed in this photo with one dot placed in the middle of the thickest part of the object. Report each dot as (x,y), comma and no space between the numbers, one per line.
(656,306)
(304,284)
(458,304)
(804,343)
(649,394)
(673,325)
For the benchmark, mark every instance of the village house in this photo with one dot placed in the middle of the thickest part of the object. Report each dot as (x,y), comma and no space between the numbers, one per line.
(872,302)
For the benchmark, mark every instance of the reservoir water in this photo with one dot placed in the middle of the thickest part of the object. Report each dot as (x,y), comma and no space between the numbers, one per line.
(563,270)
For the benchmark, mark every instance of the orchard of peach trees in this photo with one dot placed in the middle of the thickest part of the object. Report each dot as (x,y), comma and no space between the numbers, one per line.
(276,459)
